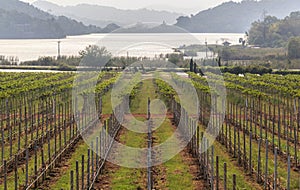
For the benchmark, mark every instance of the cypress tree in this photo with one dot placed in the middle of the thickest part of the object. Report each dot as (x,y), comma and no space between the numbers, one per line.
(219,62)
(191,65)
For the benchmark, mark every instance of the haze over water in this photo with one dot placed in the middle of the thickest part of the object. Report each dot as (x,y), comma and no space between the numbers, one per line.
(32,49)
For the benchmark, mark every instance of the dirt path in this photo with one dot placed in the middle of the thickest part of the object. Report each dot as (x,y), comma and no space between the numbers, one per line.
(198,183)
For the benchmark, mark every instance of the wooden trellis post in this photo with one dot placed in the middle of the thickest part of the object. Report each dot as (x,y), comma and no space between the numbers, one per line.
(289,173)
(212,167)
(217,172)
(258,161)
(77,175)
(234,182)
(82,172)
(71,180)
(5,174)
(16,172)
(275,169)
(266,166)
(225,176)
(88,169)
(250,154)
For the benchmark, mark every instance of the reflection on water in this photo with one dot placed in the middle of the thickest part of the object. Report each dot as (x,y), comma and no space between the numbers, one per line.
(31,49)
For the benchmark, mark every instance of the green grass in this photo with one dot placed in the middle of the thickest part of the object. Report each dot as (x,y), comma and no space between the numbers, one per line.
(106,103)
(133,178)
(232,168)
(282,163)
(140,101)
(177,171)
(63,181)
(130,178)
(242,181)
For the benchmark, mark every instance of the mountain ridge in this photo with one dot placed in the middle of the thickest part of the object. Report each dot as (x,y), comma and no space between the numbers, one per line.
(19,20)
(100,15)
(236,16)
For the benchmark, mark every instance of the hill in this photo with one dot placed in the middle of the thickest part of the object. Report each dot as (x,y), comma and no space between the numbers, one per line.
(103,15)
(274,32)
(236,17)
(150,28)
(19,20)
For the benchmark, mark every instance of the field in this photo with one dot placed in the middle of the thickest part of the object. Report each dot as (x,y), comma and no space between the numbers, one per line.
(55,136)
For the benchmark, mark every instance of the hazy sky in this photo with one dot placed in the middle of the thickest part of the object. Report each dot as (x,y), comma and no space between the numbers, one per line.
(183,6)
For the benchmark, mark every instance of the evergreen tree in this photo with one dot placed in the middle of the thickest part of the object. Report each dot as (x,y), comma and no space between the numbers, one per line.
(219,61)
(195,67)
(191,65)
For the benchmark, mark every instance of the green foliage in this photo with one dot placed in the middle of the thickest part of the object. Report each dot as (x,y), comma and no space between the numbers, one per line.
(8,60)
(246,53)
(226,53)
(94,55)
(274,32)
(74,61)
(175,58)
(42,61)
(165,89)
(294,48)
(287,72)
(122,61)
(19,84)
(64,62)
(245,69)
(45,83)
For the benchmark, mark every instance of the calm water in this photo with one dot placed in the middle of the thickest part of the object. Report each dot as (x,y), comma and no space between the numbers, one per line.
(119,44)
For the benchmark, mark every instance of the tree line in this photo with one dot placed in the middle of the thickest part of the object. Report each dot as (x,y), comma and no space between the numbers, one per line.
(275,32)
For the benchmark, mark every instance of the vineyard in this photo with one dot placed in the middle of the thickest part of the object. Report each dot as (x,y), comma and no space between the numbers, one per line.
(54,136)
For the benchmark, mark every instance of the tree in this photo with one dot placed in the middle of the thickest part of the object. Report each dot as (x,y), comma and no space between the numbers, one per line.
(200,72)
(226,53)
(219,61)
(175,58)
(96,56)
(294,48)
(242,41)
(274,32)
(264,33)
(195,67)
(191,65)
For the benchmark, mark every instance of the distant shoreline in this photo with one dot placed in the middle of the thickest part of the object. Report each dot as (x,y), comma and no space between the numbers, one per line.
(118,33)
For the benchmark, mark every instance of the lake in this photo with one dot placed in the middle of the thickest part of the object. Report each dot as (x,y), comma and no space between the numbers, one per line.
(141,44)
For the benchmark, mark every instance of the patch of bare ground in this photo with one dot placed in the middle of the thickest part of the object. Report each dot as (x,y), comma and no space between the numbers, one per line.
(194,169)
(159,171)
